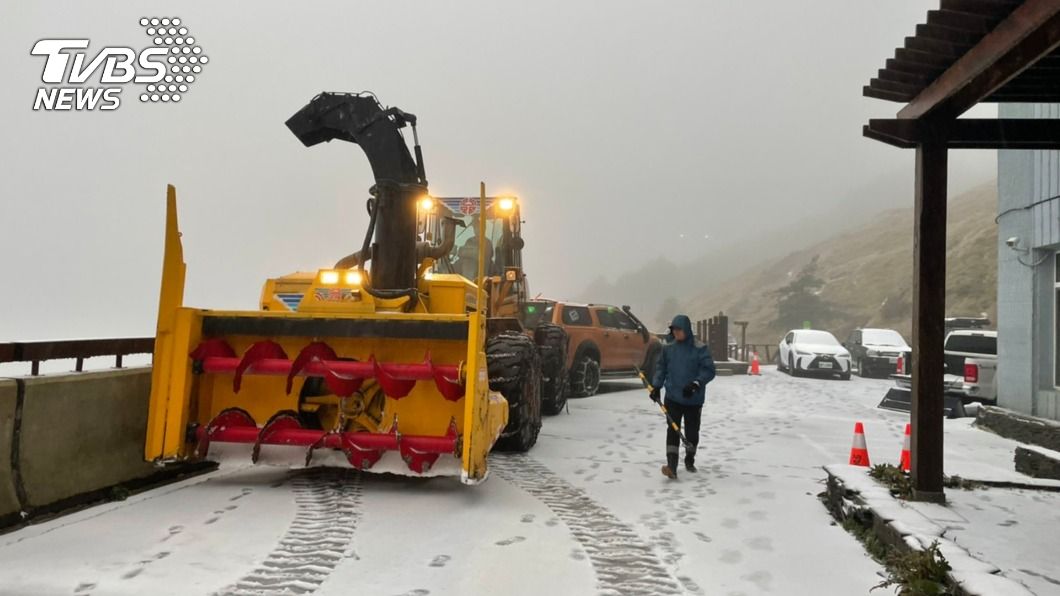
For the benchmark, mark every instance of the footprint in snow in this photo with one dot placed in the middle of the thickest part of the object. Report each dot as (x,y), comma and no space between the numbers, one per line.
(173,531)
(760,543)
(552,522)
(594,465)
(528,518)
(212,520)
(416,592)
(730,523)
(731,556)
(703,537)
(690,586)
(133,573)
(84,587)
(761,579)
(758,515)
(440,561)
(510,541)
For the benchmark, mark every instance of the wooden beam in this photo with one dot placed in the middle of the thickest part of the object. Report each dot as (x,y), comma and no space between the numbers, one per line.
(940,33)
(1030,32)
(950,50)
(929,312)
(875,93)
(927,59)
(982,7)
(968,133)
(885,74)
(914,68)
(904,88)
(961,21)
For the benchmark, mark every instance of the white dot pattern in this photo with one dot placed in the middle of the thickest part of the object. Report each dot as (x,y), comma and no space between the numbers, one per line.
(184,56)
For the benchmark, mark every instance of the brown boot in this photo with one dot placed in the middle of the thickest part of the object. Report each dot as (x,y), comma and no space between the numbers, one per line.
(669,472)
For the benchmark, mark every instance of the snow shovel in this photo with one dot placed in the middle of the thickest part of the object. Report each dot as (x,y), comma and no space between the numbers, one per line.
(662,407)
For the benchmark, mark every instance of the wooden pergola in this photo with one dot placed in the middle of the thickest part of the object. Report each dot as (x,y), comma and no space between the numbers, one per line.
(968,51)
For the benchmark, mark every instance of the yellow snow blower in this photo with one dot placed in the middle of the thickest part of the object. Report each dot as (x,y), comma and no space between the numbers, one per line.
(369,364)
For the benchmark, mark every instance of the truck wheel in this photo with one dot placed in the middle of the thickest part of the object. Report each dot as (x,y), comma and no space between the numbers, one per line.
(585,376)
(552,342)
(515,371)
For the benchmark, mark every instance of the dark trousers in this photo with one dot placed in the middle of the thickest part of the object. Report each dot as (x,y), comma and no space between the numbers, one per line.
(690,417)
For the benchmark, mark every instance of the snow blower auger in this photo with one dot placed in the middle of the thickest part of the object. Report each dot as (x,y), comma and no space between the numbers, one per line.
(384,369)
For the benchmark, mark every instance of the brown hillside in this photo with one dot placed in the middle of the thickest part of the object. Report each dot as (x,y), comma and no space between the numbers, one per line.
(867,273)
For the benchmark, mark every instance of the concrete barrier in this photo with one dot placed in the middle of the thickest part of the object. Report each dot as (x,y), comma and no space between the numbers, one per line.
(81,432)
(9,504)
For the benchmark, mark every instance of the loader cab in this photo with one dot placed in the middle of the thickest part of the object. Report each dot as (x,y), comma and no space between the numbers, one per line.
(505,281)
(504,241)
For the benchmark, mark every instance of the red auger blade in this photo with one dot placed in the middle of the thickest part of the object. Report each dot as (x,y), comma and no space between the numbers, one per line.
(318,351)
(262,350)
(280,421)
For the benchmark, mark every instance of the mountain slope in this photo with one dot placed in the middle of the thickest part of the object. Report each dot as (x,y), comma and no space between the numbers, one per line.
(866,274)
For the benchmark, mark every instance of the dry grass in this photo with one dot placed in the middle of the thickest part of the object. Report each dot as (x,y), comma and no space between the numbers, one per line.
(868,273)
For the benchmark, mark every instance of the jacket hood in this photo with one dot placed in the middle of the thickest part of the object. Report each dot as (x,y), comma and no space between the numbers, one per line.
(684,323)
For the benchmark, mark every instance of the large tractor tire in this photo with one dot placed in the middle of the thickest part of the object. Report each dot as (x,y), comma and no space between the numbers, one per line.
(552,343)
(515,371)
(585,374)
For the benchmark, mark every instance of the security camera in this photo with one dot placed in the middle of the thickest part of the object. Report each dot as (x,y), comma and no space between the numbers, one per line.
(1013,242)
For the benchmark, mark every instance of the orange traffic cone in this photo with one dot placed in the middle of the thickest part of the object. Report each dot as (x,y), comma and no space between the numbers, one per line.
(859,451)
(904,463)
(755,365)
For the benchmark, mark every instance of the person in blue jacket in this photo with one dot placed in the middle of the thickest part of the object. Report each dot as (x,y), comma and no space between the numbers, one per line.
(684,368)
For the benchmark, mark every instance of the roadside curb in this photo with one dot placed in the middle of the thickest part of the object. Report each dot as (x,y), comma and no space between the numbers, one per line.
(1020,427)
(853,495)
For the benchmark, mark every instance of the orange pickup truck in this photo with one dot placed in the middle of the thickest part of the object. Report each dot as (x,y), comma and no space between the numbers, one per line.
(606,342)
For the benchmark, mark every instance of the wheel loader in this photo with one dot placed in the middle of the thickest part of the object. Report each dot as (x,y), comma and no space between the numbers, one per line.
(453,222)
(381,361)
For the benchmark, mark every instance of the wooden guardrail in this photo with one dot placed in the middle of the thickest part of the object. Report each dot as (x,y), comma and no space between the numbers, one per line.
(36,352)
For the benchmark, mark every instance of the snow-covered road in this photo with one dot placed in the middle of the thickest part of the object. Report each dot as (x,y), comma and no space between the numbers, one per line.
(586,512)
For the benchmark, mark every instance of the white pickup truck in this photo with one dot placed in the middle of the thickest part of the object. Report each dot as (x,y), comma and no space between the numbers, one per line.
(973,353)
(971,366)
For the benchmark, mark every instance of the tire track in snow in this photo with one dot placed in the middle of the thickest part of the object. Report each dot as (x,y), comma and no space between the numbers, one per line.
(623,562)
(329,503)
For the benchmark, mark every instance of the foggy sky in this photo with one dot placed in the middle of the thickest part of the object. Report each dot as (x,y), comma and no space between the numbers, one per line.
(621,125)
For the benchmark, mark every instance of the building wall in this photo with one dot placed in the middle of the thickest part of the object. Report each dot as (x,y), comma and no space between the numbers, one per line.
(1026,295)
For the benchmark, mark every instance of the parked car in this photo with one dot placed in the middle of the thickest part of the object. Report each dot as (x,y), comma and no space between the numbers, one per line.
(875,351)
(813,351)
(970,370)
(606,342)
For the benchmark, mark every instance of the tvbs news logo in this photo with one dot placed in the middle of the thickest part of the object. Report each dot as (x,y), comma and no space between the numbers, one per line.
(161,73)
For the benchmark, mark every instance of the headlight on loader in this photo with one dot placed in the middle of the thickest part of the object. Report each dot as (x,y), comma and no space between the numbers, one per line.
(353,278)
(329,278)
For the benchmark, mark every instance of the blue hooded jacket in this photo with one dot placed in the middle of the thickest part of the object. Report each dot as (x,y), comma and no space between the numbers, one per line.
(683,362)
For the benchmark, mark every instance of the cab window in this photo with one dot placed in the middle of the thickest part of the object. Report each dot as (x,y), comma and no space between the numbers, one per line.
(576,315)
(537,312)
(624,322)
(606,318)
